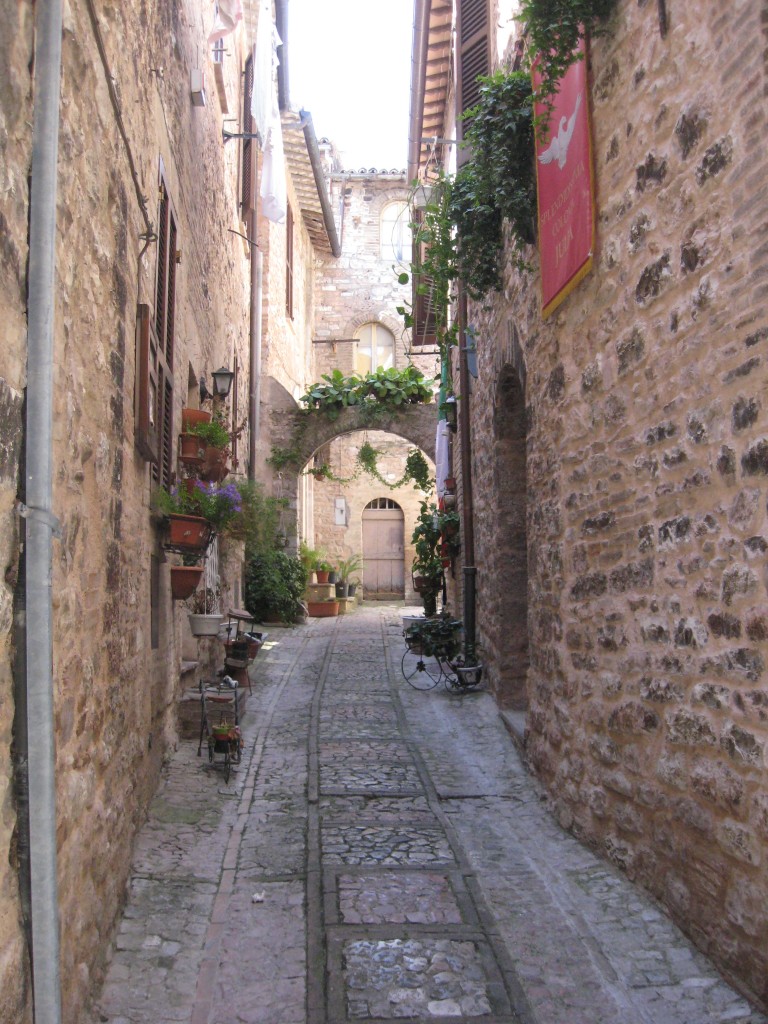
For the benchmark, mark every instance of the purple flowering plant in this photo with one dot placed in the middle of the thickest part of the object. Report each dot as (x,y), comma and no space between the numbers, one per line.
(220,504)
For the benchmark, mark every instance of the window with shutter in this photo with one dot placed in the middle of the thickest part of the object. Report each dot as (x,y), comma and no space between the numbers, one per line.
(247,190)
(473,53)
(154,352)
(422,306)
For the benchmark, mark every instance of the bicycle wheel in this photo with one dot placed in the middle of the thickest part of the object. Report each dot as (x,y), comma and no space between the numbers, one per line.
(422,672)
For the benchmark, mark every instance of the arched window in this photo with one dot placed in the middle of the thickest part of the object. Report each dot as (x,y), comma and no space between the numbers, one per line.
(382,503)
(375,348)
(395,233)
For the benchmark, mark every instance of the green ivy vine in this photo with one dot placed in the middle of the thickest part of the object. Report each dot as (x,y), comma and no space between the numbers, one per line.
(416,469)
(554,29)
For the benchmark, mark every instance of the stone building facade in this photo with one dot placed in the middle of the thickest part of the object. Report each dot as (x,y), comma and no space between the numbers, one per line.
(361,288)
(145,181)
(618,461)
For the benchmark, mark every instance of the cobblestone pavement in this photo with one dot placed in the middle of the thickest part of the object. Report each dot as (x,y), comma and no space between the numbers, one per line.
(381,855)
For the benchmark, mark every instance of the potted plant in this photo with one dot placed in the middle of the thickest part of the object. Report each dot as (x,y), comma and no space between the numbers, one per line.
(322,571)
(190,417)
(323,609)
(213,440)
(274,585)
(188,529)
(203,619)
(345,569)
(427,567)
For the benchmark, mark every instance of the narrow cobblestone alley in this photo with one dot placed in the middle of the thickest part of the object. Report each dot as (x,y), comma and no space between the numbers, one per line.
(381,854)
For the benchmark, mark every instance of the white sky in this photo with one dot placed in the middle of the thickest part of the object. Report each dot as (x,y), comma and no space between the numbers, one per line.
(349,65)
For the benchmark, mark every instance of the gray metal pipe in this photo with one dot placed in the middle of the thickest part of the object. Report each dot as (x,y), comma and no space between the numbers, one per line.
(254,396)
(316,160)
(40,521)
(421,12)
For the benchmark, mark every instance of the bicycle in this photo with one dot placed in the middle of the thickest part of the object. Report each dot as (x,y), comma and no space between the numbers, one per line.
(434,653)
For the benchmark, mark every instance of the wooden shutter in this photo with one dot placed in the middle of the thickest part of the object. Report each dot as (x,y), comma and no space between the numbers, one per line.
(154,423)
(247,191)
(146,385)
(473,59)
(422,304)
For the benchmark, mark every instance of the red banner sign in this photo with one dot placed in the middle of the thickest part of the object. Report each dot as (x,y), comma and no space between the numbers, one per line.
(565,189)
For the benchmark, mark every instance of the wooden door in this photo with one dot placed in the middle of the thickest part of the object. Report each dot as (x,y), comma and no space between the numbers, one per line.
(383,553)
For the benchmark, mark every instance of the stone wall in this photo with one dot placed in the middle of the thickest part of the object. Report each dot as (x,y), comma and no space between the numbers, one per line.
(116,681)
(360,287)
(632,423)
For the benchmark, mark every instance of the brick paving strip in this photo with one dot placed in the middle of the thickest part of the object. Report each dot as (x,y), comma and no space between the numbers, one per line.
(382,855)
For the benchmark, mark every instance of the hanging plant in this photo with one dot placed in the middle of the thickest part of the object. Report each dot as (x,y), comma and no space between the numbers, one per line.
(553,29)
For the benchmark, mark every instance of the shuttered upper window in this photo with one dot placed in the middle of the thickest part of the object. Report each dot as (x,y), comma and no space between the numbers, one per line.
(155,343)
(422,302)
(247,190)
(473,52)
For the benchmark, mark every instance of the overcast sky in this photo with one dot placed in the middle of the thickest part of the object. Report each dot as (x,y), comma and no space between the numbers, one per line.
(349,65)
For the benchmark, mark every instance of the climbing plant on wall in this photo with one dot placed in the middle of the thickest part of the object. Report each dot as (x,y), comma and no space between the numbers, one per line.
(553,29)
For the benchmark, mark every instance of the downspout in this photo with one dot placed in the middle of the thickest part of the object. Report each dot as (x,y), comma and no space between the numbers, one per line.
(421,12)
(316,160)
(467,504)
(254,394)
(40,522)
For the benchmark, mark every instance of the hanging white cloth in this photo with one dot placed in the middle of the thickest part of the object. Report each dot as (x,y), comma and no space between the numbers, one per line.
(442,456)
(228,14)
(274,190)
(264,58)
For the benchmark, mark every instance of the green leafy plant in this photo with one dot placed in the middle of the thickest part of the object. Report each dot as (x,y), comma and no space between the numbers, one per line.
(259,522)
(349,565)
(221,505)
(427,566)
(214,433)
(553,29)
(383,389)
(439,636)
(274,585)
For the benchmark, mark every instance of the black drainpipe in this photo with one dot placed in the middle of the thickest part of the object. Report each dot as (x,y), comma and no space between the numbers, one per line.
(467,503)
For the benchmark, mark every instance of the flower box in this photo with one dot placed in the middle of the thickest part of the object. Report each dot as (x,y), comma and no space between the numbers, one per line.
(185,580)
(323,609)
(188,533)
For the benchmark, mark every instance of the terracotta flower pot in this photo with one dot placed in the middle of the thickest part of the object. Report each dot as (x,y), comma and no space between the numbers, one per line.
(191,450)
(188,533)
(184,580)
(321,575)
(191,417)
(214,467)
(323,609)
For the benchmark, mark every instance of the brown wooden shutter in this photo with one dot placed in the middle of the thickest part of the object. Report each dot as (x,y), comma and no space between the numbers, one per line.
(473,59)
(154,424)
(424,328)
(247,192)
(146,385)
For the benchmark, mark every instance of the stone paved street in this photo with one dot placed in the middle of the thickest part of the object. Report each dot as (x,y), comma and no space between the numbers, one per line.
(381,854)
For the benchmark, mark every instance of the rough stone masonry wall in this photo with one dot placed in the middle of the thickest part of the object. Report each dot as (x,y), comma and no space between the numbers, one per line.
(15,149)
(646,464)
(114,693)
(357,288)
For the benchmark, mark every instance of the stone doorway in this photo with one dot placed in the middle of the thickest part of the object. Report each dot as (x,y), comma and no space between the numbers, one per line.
(383,550)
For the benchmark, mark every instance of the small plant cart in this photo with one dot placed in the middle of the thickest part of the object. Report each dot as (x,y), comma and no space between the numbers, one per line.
(220,727)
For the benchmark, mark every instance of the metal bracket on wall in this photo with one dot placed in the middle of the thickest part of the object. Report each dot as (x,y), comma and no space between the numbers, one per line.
(42,516)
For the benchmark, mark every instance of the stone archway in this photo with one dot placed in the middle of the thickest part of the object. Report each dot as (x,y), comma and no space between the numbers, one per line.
(291,428)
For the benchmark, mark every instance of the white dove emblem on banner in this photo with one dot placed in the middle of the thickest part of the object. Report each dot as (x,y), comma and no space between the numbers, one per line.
(558,147)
